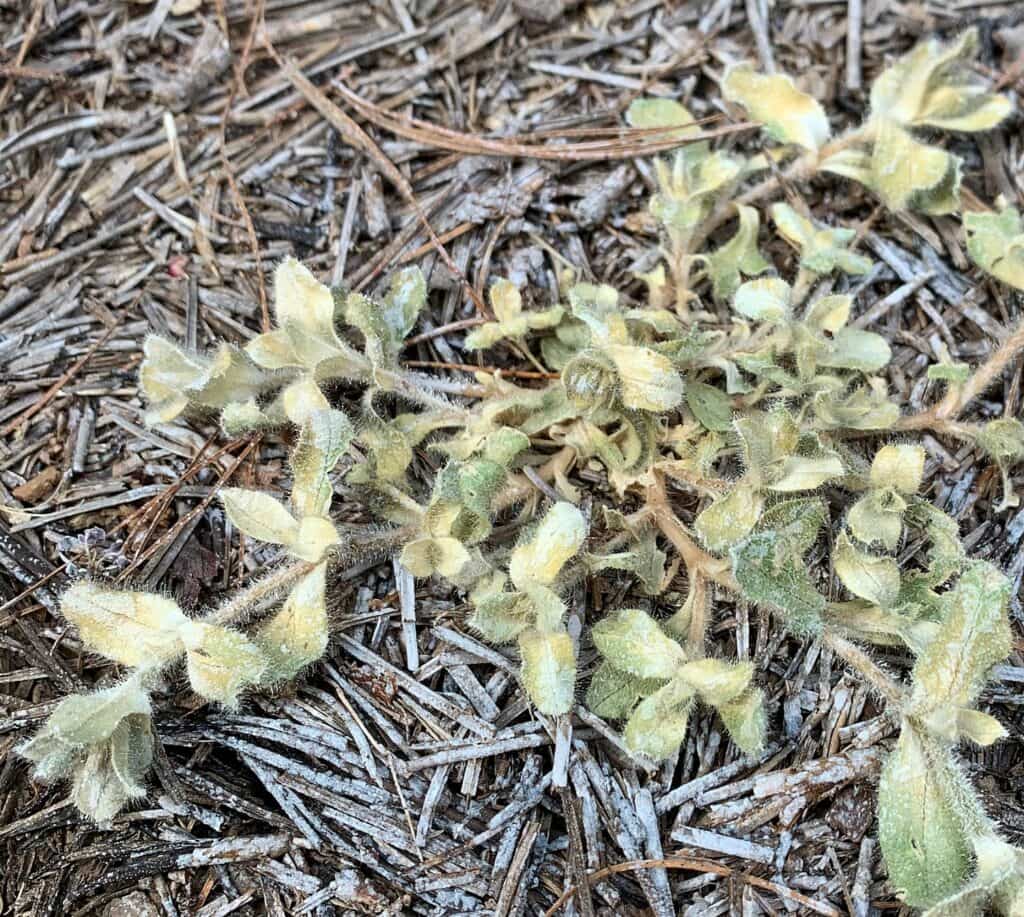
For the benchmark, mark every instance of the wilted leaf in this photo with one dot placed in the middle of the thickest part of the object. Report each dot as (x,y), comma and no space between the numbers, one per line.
(549,670)
(633,642)
(788,115)
(923,841)
(221,662)
(133,628)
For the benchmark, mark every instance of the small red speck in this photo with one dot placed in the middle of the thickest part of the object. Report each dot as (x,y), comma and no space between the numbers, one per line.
(176,266)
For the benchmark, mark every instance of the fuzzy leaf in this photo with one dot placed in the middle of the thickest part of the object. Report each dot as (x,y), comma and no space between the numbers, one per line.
(739,256)
(770,573)
(427,556)
(717,681)
(995,242)
(301,399)
(933,85)
(788,115)
(657,727)
(259,515)
(822,249)
(806,472)
(922,839)
(133,628)
(745,718)
(501,617)
(297,635)
(973,636)
(663,113)
(899,466)
(315,537)
(301,300)
(797,522)
(647,380)
(877,517)
(221,662)
(910,174)
(325,436)
(633,642)
(81,720)
(730,518)
(549,670)
(613,693)
(764,300)
(559,536)
(710,405)
(851,348)
(876,579)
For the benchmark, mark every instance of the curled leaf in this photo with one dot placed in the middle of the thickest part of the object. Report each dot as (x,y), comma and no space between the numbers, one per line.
(788,115)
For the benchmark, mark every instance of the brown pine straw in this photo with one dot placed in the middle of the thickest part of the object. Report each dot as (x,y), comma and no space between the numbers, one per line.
(628,143)
(694,865)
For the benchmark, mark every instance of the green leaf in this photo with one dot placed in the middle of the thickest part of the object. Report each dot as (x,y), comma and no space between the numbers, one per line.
(974,635)
(613,693)
(877,518)
(559,536)
(717,681)
(739,256)
(770,573)
(934,85)
(549,670)
(995,242)
(922,839)
(297,635)
(325,437)
(664,113)
(764,300)
(805,472)
(875,579)
(633,642)
(822,249)
(221,662)
(796,521)
(899,466)
(429,555)
(909,174)
(647,380)
(259,515)
(657,727)
(729,518)
(133,628)
(746,721)
(788,115)
(710,405)
(85,719)
(851,348)
(500,617)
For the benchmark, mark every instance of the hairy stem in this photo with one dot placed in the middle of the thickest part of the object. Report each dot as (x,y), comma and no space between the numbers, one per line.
(857,659)
(942,416)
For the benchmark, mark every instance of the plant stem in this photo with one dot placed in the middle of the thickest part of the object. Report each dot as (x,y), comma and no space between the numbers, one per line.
(856,658)
(941,417)
(240,605)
